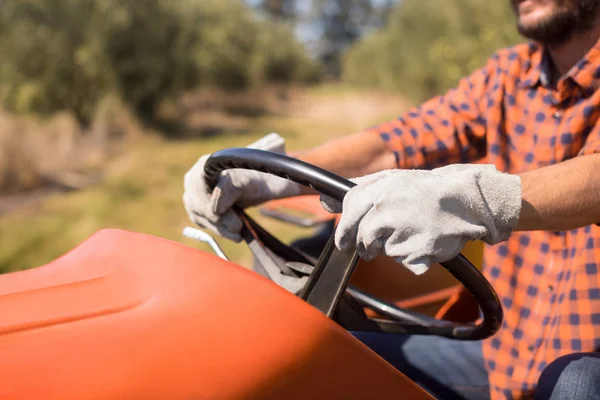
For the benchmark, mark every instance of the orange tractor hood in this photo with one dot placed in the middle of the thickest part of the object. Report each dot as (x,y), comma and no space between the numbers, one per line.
(132,316)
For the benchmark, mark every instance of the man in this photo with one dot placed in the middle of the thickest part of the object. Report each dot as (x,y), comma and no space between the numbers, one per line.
(532,112)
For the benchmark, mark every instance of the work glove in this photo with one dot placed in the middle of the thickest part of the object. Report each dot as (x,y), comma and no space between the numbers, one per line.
(246,188)
(422,217)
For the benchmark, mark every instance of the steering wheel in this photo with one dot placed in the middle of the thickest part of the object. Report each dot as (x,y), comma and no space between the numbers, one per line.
(323,283)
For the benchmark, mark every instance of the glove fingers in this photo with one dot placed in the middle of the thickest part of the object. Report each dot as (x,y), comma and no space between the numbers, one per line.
(227,227)
(231,222)
(224,195)
(347,229)
(330,204)
(357,204)
(373,232)
(197,194)
(197,205)
(212,209)
(417,266)
(416,251)
(335,207)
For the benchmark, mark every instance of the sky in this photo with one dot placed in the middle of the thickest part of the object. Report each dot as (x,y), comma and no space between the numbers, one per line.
(309,32)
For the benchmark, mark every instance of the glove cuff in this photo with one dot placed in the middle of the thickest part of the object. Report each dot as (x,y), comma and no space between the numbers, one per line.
(502,194)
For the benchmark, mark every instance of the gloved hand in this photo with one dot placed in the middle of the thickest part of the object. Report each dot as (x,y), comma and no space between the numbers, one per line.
(422,217)
(246,188)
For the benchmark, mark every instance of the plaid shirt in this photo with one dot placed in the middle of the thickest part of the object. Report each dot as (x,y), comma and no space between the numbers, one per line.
(508,114)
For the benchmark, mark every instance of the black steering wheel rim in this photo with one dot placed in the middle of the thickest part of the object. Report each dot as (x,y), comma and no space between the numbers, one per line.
(336,187)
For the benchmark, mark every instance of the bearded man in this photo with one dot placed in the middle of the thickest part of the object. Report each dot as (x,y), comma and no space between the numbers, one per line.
(531,116)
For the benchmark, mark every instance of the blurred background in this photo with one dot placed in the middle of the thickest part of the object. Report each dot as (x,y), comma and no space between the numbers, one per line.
(105,104)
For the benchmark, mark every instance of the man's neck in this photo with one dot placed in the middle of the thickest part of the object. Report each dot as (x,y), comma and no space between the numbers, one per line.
(566,55)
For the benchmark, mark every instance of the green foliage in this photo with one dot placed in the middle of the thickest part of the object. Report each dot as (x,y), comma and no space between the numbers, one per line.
(280,58)
(428,45)
(238,50)
(69,54)
(228,33)
(278,9)
(49,62)
(343,22)
(148,49)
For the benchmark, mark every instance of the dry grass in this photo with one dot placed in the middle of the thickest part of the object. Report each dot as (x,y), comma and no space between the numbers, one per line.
(38,152)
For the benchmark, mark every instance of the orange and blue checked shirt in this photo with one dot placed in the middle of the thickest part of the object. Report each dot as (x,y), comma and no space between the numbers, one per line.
(507,113)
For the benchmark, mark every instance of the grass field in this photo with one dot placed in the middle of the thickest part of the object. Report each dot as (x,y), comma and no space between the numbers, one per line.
(142,188)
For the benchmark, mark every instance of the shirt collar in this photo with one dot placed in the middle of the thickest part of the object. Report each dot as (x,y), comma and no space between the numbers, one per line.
(533,66)
(585,73)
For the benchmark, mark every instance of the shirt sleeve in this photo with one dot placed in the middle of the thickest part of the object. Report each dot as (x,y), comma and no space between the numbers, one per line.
(447,129)
(592,142)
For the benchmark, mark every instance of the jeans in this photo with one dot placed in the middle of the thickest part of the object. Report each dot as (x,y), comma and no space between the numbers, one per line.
(447,369)
(571,377)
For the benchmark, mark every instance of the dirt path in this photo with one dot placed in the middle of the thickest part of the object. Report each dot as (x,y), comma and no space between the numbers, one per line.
(30,198)
(359,109)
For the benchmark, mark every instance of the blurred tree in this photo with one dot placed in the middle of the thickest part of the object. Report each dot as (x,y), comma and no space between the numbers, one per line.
(428,45)
(238,51)
(343,22)
(280,57)
(148,49)
(69,54)
(279,9)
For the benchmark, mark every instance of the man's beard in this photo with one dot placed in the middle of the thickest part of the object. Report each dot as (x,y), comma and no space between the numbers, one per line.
(562,25)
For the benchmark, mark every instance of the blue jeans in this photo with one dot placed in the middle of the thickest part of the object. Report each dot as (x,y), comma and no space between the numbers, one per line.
(448,369)
(571,377)
(451,369)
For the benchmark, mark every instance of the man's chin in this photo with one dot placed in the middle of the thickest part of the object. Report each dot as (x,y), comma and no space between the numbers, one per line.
(554,31)
(555,27)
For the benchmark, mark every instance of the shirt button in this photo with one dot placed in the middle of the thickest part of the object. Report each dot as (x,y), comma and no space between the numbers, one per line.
(550,288)
(557,114)
(531,348)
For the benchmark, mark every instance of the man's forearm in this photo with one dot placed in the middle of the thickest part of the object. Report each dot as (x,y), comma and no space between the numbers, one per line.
(562,196)
(351,156)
